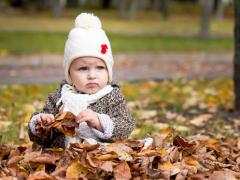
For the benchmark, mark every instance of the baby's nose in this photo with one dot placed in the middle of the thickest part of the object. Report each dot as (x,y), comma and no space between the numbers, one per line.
(91,74)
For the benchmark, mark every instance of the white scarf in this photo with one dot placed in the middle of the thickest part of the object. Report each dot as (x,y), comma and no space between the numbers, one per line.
(75,102)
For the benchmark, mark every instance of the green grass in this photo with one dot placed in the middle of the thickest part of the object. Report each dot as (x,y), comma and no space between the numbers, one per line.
(53,42)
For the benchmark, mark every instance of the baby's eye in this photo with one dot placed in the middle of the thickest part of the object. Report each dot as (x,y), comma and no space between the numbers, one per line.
(100,67)
(82,68)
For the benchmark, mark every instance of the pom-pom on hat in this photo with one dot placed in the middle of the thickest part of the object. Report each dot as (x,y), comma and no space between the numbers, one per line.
(87,38)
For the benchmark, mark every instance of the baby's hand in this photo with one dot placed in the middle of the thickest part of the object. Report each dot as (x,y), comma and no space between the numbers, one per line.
(43,120)
(90,117)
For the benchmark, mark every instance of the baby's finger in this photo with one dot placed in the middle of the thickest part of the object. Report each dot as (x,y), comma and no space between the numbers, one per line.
(49,120)
(38,120)
(44,119)
(82,119)
(51,117)
(79,116)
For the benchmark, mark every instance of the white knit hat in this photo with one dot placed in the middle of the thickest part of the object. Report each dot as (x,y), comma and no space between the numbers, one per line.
(87,39)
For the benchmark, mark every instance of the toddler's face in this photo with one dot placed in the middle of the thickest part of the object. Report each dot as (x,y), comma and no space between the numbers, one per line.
(88,74)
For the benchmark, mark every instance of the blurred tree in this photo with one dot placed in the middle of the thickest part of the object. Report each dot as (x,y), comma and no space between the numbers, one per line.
(58,7)
(219,6)
(207,7)
(16,3)
(122,6)
(219,9)
(128,8)
(106,4)
(155,5)
(162,6)
(133,9)
(72,3)
(40,4)
(236,64)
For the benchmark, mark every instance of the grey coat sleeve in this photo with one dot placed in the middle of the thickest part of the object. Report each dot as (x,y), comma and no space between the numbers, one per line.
(49,108)
(123,122)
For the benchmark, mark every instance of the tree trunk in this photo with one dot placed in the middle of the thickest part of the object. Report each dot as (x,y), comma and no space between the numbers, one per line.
(128,8)
(133,9)
(58,7)
(164,8)
(236,74)
(106,4)
(122,6)
(220,10)
(156,5)
(207,6)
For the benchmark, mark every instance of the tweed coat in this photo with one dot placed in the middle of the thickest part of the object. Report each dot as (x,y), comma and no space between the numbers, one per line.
(112,104)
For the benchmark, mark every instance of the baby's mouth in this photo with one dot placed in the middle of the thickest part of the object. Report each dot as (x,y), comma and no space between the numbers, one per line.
(92,85)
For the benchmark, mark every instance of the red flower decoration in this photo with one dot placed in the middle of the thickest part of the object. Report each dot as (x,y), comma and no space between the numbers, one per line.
(104,48)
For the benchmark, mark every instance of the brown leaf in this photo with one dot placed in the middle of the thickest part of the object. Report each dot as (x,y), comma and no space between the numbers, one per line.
(200,176)
(107,166)
(76,170)
(44,159)
(106,157)
(9,178)
(148,152)
(147,114)
(122,171)
(4,151)
(156,174)
(60,171)
(135,145)
(86,147)
(28,157)
(90,161)
(40,175)
(175,154)
(190,161)
(14,160)
(201,120)
(121,149)
(222,175)
(180,142)
(65,122)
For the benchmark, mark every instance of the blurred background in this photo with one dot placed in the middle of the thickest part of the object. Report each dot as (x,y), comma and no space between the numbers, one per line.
(34,33)
(172,57)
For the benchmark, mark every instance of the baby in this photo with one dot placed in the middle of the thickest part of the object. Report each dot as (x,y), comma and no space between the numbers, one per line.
(88,91)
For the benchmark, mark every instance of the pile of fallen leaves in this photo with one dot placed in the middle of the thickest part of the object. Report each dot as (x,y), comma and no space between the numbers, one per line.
(168,157)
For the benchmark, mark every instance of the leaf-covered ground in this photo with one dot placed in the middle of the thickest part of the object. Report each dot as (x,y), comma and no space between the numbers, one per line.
(195,134)
(170,157)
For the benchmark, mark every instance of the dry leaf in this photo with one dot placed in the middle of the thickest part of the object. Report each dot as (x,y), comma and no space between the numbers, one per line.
(65,123)
(190,161)
(86,147)
(122,171)
(201,120)
(14,160)
(147,114)
(44,159)
(107,166)
(122,150)
(149,152)
(76,170)
(107,157)
(40,175)
(180,142)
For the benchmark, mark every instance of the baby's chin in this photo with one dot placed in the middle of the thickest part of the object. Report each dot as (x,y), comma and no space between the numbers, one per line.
(91,90)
